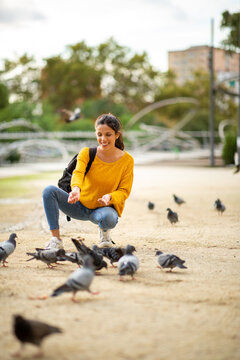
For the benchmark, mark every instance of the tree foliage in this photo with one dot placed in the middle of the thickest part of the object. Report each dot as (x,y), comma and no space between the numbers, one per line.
(232,23)
(21,77)
(4,95)
(107,71)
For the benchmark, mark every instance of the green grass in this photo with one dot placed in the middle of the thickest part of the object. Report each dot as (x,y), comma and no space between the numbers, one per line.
(23,186)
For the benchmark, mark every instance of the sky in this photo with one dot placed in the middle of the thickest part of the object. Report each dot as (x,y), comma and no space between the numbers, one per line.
(43,28)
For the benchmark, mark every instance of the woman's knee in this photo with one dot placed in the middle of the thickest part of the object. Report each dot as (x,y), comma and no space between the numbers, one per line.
(109,219)
(49,191)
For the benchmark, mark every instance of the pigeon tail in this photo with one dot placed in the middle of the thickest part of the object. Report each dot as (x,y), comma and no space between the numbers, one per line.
(34,256)
(2,254)
(55,330)
(181,266)
(127,269)
(61,289)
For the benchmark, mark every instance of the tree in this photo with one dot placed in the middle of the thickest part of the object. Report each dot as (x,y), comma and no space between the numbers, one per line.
(108,71)
(232,23)
(71,78)
(21,78)
(3,96)
(128,78)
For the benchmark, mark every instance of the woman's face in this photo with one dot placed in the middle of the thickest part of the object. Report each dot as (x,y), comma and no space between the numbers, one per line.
(106,137)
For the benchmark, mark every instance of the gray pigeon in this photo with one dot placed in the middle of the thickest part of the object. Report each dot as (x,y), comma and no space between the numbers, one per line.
(129,263)
(31,331)
(219,206)
(79,280)
(7,248)
(151,205)
(169,261)
(178,200)
(172,216)
(47,256)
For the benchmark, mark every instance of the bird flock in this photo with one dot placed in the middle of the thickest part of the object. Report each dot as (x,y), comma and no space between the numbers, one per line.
(89,261)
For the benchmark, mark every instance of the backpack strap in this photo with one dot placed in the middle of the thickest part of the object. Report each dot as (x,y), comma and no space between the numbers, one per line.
(73,163)
(92,154)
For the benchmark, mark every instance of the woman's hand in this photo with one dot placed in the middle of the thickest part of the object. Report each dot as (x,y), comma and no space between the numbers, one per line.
(105,199)
(74,195)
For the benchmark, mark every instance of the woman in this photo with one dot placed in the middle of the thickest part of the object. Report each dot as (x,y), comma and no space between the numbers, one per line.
(100,195)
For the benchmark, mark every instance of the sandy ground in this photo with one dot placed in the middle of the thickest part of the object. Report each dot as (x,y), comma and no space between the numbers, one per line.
(186,314)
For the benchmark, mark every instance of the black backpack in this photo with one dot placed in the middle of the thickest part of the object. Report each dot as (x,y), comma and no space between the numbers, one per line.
(65,181)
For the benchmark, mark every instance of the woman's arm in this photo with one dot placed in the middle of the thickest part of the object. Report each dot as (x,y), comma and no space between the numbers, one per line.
(124,188)
(74,195)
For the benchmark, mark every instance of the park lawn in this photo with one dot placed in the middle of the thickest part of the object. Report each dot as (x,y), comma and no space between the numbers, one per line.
(26,185)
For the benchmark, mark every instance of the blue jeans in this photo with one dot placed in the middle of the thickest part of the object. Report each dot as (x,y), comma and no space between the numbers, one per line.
(54,199)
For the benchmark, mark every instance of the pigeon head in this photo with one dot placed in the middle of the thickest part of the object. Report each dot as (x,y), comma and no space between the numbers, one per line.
(168,209)
(17,318)
(158,252)
(94,247)
(12,238)
(130,249)
(20,322)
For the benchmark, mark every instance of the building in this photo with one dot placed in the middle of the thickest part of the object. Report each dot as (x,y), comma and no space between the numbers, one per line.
(185,62)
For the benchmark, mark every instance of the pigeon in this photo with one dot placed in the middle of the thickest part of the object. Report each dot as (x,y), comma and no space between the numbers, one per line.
(47,256)
(151,205)
(70,116)
(219,206)
(79,280)
(172,216)
(169,261)
(128,264)
(178,200)
(7,248)
(97,258)
(32,331)
(113,254)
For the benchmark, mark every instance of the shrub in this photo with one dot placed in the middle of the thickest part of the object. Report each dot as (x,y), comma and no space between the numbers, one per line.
(229,147)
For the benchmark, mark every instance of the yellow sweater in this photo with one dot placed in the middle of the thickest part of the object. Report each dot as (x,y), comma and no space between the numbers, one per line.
(103,178)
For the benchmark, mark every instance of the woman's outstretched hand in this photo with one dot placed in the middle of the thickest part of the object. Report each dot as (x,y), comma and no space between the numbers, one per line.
(105,199)
(74,195)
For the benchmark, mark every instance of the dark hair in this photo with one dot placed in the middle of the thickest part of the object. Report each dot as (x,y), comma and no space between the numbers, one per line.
(114,123)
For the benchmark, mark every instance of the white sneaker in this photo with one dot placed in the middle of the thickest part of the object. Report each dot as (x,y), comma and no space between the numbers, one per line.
(54,243)
(105,239)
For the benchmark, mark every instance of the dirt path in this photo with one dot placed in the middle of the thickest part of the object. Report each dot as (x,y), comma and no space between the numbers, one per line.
(186,314)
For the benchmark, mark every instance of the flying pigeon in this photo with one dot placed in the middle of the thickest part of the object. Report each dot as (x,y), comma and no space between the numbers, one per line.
(47,256)
(113,254)
(169,261)
(151,205)
(7,248)
(97,258)
(129,263)
(70,116)
(219,206)
(31,331)
(178,200)
(172,216)
(79,280)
